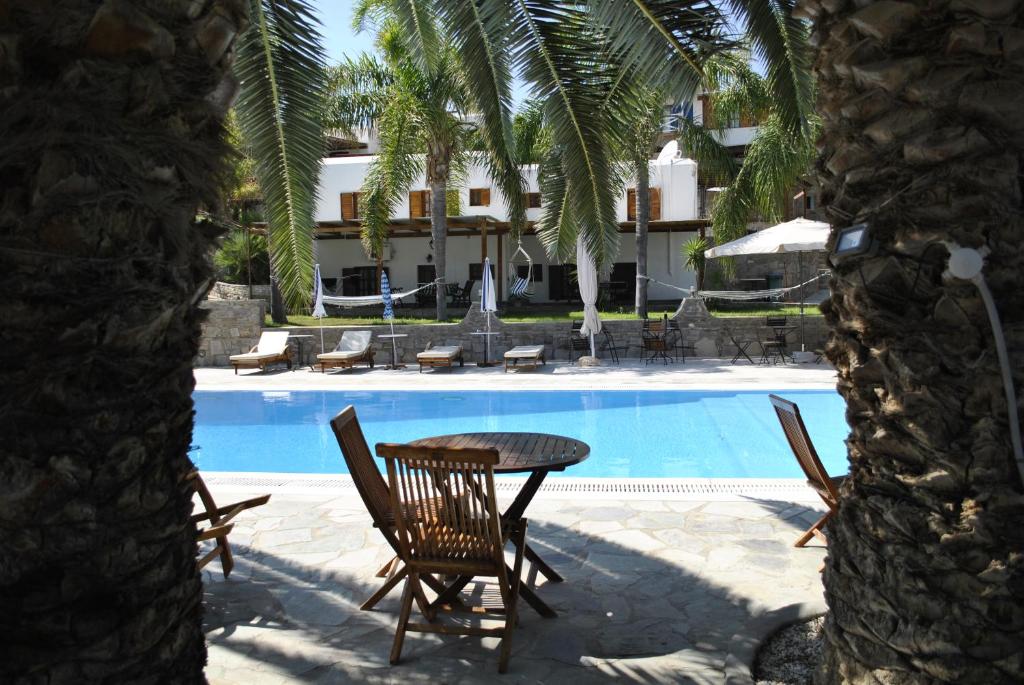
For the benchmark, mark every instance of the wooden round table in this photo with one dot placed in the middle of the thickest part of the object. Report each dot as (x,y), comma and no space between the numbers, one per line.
(535,453)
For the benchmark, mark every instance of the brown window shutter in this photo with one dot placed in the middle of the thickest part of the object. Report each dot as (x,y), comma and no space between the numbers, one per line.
(426,203)
(416,203)
(709,111)
(348,202)
(485,197)
(655,195)
(746,120)
(631,204)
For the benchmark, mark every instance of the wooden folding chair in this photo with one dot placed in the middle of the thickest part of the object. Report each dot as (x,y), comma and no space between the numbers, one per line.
(220,522)
(376,497)
(800,442)
(464,535)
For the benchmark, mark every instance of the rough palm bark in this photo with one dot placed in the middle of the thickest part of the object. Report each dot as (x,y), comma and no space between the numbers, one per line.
(643,213)
(111,115)
(923,139)
(438,169)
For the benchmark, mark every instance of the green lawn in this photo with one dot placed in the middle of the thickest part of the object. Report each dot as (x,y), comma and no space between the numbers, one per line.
(550,317)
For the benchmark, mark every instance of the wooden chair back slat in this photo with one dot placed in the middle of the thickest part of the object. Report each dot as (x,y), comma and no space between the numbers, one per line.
(444,503)
(800,442)
(367,477)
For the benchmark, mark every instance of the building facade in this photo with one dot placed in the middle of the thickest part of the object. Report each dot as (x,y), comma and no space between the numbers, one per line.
(478,228)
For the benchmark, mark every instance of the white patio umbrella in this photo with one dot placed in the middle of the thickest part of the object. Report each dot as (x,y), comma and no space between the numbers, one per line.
(799,235)
(318,303)
(586,274)
(488,304)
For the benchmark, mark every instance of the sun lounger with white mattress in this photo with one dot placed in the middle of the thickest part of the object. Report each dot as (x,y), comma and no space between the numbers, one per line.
(272,348)
(354,347)
(530,355)
(445,355)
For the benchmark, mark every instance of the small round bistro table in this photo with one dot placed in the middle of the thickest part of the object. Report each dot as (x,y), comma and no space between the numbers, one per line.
(535,453)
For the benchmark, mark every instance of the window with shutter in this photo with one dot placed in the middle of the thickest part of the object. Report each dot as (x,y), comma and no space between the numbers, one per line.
(419,203)
(350,206)
(708,116)
(655,195)
(631,204)
(479,197)
(533,200)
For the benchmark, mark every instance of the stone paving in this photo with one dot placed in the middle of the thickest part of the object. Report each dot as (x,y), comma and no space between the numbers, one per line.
(656,591)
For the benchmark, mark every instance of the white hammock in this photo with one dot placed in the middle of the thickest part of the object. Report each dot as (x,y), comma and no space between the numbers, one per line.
(733,294)
(369,300)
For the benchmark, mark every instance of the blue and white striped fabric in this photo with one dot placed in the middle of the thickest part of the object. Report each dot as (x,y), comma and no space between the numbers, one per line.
(385,294)
(518,287)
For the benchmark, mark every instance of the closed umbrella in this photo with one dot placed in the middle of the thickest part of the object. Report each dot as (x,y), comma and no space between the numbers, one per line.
(488,304)
(318,303)
(586,275)
(389,310)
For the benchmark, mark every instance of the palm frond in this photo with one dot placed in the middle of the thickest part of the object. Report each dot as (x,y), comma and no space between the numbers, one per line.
(531,139)
(781,41)
(558,228)
(281,66)
(717,164)
(357,92)
(774,161)
(479,32)
(665,40)
(393,171)
(555,48)
(419,25)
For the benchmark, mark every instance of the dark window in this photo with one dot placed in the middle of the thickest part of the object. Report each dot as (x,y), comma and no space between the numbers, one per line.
(479,197)
(476,271)
(533,200)
(562,285)
(537,276)
(425,273)
(360,280)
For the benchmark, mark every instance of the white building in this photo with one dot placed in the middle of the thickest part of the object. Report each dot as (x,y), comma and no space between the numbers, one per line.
(480,229)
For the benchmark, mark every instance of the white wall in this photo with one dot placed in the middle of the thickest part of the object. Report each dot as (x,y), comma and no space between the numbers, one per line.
(677,178)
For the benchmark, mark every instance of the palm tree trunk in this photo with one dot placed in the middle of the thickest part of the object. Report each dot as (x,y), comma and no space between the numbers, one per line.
(643,212)
(111,114)
(922,140)
(278,313)
(439,232)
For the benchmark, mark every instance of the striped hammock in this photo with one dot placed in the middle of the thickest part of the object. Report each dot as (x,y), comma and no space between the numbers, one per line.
(519,287)
(369,300)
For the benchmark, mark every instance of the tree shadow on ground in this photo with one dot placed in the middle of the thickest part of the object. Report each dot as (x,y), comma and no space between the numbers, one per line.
(624,614)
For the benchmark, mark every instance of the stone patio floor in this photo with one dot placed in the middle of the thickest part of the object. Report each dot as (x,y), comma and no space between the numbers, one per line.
(660,588)
(656,591)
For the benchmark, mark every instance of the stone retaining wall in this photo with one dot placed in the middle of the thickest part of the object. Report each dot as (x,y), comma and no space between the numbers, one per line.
(230,327)
(234,291)
(707,334)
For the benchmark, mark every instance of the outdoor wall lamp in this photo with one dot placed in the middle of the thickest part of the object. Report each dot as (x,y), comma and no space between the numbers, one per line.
(853,241)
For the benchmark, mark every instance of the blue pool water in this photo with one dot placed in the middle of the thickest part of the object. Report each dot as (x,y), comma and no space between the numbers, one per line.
(632,434)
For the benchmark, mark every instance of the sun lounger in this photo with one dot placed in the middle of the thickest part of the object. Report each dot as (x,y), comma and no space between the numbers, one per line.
(445,355)
(530,355)
(354,347)
(272,348)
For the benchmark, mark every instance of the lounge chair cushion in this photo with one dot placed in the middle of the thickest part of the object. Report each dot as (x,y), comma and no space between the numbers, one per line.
(443,352)
(353,344)
(271,344)
(525,352)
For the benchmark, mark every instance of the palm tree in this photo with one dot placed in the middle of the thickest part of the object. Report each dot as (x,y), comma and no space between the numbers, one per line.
(920,140)
(774,161)
(417,101)
(638,143)
(413,113)
(109,149)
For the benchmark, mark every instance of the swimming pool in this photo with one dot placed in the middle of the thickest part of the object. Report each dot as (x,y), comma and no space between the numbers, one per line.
(632,434)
